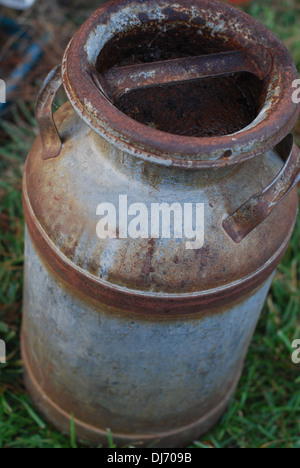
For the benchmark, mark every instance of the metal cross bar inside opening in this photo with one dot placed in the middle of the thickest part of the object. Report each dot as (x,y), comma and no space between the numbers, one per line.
(119,80)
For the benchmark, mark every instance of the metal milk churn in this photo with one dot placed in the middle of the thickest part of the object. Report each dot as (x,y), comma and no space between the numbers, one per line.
(138,313)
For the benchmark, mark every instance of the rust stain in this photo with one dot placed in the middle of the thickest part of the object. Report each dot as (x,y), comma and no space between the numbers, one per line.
(155,39)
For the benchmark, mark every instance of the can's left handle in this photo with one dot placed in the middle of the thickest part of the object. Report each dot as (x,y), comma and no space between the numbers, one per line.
(51,141)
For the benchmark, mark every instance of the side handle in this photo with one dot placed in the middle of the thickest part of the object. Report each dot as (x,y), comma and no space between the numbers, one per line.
(260,206)
(51,141)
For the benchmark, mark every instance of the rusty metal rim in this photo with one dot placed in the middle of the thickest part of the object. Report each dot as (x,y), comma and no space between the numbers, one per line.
(57,413)
(173,150)
(140,302)
(154,157)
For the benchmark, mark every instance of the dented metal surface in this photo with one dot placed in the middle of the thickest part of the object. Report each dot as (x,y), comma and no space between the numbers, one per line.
(146,321)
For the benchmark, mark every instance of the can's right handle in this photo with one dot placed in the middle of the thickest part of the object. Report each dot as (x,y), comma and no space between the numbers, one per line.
(250,215)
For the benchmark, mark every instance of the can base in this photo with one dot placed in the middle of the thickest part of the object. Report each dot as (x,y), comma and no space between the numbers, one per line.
(61,420)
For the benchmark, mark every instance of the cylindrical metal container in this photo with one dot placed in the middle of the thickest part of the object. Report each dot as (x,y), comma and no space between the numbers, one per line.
(146,334)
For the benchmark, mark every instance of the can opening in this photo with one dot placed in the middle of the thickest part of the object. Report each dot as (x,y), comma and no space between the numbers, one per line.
(206,107)
(187,84)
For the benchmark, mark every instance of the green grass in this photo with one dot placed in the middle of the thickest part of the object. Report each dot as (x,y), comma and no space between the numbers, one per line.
(265,411)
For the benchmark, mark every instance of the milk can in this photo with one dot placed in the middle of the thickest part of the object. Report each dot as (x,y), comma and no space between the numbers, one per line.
(159,201)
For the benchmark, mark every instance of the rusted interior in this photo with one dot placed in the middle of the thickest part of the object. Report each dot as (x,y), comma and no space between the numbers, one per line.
(208,107)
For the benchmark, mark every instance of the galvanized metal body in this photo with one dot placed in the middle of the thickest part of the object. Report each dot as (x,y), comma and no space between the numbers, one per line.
(144,336)
(160,382)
